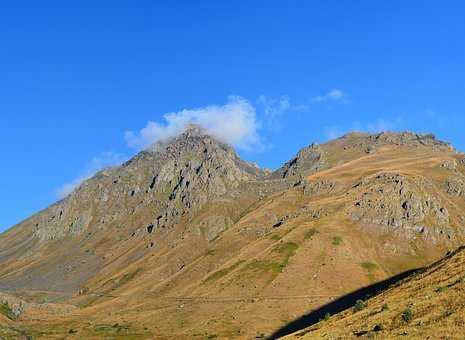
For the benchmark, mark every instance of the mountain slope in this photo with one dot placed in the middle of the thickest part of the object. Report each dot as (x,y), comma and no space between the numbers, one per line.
(428,304)
(151,193)
(188,240)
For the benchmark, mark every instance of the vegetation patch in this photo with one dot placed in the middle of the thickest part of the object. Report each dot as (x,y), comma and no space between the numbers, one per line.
(223,272)
(441,289)
(370,268)
(126,278)
(310,233)
(283,252)
(337,240)
(286,250)
(5,310)
(407,315)
(112,329)
(265,266)
(359,305)
(275,237)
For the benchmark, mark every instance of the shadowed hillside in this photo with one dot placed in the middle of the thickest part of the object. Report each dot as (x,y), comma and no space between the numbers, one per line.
(429,304)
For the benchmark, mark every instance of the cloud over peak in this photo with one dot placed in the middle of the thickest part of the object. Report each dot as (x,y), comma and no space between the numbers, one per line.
(234,123)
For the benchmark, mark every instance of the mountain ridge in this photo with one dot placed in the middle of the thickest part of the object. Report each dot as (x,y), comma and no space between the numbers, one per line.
(189,219)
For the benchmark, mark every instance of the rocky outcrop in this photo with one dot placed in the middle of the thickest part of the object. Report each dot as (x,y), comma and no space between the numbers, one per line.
(19,309)
(455,186)
(309,160)
(398,202)
(369,143)
(409,139)
(449,164)
(318,187)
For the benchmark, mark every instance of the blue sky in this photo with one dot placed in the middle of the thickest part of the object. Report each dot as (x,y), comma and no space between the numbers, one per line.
(75,78)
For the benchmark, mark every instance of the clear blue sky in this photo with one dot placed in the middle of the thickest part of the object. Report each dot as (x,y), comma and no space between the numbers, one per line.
(75,76)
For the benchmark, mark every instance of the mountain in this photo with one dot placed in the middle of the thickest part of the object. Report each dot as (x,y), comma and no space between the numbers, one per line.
(429,304)
(187,240)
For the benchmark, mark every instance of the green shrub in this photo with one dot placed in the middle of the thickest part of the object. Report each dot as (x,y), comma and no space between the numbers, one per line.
(407,315)
(369,266)
(385,307)
(441,289)
(359,305)
(5,309)
(310,233)
(327,316)
(337,240)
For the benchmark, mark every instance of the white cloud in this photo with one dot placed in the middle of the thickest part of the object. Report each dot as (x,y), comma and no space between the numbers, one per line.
(101,162)
(274,107)
(234,123)
(333,95)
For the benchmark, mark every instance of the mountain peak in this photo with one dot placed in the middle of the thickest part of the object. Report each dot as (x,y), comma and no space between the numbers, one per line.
(194,130)
(191,138)
(172,179)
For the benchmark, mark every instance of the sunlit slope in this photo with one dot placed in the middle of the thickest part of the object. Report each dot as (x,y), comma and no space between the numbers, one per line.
(243,252)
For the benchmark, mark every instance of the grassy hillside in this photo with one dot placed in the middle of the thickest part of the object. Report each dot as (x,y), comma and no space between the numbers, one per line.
(237,254)
(429,304)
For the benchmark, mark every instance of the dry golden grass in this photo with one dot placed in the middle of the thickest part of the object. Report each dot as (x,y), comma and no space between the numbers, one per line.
(427,305)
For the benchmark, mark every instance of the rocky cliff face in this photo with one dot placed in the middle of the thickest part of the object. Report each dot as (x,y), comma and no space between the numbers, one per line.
(307,161)
(172,179)
(398,202)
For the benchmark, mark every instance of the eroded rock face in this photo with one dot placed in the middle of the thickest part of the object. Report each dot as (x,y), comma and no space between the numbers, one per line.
(369,143)
(395,201)
(455,186)
(450,164)
(318,187)
(410,139)
(172,179)
(309,160)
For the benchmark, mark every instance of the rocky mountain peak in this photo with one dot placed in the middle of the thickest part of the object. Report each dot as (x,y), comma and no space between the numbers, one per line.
(308,160)
(316,157)
(192,136)
(194,130)
(172,179)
